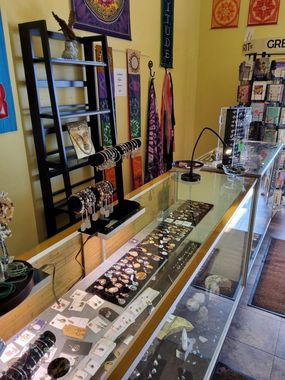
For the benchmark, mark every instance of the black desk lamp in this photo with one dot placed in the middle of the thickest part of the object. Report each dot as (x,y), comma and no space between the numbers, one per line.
(194,177)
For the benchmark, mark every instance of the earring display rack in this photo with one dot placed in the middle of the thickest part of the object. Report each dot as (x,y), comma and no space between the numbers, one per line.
(262,88)
(59,164)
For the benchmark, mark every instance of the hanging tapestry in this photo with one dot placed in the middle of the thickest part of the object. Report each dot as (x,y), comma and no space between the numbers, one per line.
(102,92)
(109,174)
(167,20)
(134,94)
(167,120)
(7,111)
(225,13)
(153,161)
(263,12)
(110,17)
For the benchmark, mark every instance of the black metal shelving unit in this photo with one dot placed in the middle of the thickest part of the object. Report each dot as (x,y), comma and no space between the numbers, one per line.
(61,160)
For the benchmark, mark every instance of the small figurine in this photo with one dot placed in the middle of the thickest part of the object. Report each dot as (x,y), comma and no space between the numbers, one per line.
(71,47)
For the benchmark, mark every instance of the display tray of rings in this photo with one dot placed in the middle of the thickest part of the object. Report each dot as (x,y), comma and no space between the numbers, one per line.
(129,275)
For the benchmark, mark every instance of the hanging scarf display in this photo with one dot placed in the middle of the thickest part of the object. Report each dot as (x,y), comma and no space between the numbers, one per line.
(134,94)
(153,162)
(167,121)
(109,174)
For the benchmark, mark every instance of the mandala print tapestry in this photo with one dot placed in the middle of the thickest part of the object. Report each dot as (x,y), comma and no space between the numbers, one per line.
(263,12)
(225,13)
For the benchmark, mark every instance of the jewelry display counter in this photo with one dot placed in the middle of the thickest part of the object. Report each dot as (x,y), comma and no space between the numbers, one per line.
(164,296)
(260,160)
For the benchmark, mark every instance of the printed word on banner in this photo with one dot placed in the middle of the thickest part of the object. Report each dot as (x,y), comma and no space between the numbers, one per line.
(167,19)
(134,94)
(109,174)
(268,45)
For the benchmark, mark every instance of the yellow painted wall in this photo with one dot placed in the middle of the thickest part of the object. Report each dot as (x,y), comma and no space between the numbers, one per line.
(220,53)
(14,173)
(205,78)
(145,25)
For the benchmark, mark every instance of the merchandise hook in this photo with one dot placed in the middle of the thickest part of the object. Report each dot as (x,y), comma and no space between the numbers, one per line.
(150,66)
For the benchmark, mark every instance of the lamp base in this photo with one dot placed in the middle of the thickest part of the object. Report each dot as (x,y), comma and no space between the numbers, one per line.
(190,177)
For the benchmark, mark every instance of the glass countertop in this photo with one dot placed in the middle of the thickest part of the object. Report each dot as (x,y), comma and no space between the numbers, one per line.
(256,157)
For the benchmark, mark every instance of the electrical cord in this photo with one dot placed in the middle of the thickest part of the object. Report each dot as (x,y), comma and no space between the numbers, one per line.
(19,269)
(76,259)
(53,278)
(78,253)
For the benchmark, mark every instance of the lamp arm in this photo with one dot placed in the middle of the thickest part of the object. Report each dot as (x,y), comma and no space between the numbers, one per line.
(200,135)
(196,143)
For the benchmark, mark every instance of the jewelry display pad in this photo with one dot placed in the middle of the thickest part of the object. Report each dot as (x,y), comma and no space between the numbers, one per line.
(129,275)
(190,211)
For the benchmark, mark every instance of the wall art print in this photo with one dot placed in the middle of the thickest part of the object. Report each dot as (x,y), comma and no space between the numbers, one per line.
(263,12)
(110,17)
(225,13)
(7,111)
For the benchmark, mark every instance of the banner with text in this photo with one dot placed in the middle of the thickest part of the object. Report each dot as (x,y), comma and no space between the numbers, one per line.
(273,45)
(167,17)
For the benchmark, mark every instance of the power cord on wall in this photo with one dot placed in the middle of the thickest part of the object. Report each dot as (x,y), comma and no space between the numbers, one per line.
(76,259)
(18,269)
(45,266)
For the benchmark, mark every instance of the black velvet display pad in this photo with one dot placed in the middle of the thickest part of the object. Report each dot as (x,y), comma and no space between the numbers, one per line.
(125,279)
(129,275)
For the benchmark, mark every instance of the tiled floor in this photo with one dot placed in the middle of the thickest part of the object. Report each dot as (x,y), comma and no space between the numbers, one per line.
(255,343)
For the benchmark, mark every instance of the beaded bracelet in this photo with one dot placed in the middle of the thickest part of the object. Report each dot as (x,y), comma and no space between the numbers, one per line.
(6,288)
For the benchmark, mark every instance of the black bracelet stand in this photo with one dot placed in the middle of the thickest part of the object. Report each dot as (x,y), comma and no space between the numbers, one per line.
(123,210)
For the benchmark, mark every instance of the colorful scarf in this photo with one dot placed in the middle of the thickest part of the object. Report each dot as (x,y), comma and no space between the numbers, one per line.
(167,121)
(153,162)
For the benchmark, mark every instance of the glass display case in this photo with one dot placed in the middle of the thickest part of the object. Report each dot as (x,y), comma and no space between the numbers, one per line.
(161,303)
(259,160)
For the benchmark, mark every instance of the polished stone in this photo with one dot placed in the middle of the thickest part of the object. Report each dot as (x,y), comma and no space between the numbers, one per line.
(246,359)
(278,369)
(256,330)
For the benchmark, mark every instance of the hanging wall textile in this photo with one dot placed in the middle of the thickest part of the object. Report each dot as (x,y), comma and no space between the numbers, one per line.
(153,161)
(225,13)
(167,19)
(103,97)
(7,112)
(111,17)
(167,120)
(262,12)
(109,174)
(134,94)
